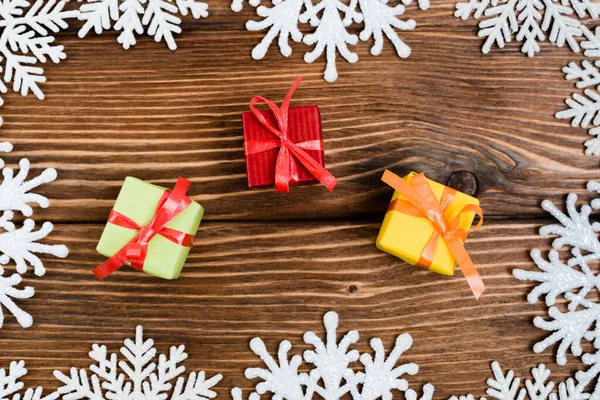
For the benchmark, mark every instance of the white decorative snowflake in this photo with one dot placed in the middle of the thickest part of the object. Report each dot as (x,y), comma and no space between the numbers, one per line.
(157,18)
(572,280)
(26,40)
(20,245)
(506,386)
(531,21)
(8,292)
(330,376)
(330,20)
(141,375)
(10,384)
(583,108)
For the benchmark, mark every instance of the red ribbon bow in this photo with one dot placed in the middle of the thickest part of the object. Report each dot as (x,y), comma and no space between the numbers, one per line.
(286,169)
(171,204)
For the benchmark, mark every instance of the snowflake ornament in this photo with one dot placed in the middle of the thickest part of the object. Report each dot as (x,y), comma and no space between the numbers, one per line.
(331,376)
(330,20)
(9,292)
(26,39)
(140,376)
(507,386)
(20,245)
(583,108)
(157,18)
(10,384)
(573,280)
(530,21)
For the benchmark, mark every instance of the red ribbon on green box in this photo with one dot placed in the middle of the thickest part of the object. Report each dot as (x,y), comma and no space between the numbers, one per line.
(171,204)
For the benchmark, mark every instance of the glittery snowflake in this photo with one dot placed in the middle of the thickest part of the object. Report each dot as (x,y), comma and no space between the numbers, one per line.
(10,384)
(20,245)
(572,279)
(507,386)
(330,375)
(26,40)
(157,18)
(583,107)
(330,20)
(8,293)
(530,21)
(140,376)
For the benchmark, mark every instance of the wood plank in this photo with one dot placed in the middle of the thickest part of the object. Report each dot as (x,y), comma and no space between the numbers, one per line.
(276,281)
(157,114)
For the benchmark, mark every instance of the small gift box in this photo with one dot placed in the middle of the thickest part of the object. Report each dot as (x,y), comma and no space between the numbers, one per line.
(284,145)
(150,228)
(427,224)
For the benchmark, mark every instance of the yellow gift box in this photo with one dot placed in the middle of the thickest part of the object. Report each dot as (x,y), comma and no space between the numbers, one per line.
(407,234)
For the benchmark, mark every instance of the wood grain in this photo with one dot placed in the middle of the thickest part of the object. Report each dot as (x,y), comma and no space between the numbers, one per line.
(270,264)
(276,281)
(156,114)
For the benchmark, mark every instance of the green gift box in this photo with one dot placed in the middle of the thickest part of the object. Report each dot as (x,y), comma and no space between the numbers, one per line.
(138,201)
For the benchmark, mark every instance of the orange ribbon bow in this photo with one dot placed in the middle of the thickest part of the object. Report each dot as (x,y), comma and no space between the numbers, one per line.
(419,201)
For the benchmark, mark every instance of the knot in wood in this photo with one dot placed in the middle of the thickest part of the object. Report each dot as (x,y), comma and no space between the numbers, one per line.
(463,181)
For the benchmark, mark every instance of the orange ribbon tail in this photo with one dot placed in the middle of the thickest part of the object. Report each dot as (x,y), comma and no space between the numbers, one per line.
(420,201)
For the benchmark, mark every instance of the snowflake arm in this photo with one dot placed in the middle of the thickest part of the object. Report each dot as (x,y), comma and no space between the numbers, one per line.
(196,388)
(331,359)
(584,8)
(556,278)
(97,15)
(575,229)
(381,375)
(5,147)
(530,31)
(499,27)
(475,7)
(283,379)
(19,34)
(15,191)
(591,46)
(564,28)
(281,20)
(330,36)
(582,110)
(10,384)
(592,146)
(568,328)
(8,292)
(162,22)
(379,19)
(77,386)
(504,387)
(129,22)
(237,5)
(158,15)
(586,76)
(428,390)
(20,245)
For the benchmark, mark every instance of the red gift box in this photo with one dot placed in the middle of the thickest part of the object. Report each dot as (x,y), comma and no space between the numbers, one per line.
(304,125)
(284,145)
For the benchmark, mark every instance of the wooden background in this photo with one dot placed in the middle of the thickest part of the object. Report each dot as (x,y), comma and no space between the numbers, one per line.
(272,264)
